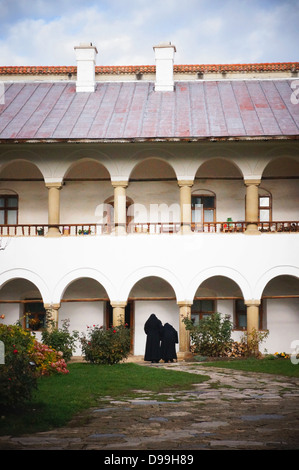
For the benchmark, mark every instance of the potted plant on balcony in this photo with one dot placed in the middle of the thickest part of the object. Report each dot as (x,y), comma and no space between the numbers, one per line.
(84,231)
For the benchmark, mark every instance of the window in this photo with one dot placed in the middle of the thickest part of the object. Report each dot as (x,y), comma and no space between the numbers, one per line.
(203,209)
(35,316)
(202,309)
(264,209)
(8,209)
(240,315)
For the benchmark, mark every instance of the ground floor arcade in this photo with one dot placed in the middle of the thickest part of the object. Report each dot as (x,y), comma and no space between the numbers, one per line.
(85,302)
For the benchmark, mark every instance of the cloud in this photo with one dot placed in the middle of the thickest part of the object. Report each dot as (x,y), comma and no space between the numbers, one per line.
(43,32)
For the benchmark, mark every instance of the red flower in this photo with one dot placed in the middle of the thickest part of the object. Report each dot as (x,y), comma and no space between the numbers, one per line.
(15,351)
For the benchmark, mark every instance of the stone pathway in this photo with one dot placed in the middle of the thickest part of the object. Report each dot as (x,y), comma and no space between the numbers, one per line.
(232,410)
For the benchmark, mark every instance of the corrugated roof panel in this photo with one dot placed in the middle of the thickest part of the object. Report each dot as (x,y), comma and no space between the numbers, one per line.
(248,113)
(136,112)
(166,123)
(151,115)
(100,124)
(65,95)
(216,117)
(230,109)
(199,112)
(116,110)
(288,117)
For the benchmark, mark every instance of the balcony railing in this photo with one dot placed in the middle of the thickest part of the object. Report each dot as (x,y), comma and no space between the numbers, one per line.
(28,230)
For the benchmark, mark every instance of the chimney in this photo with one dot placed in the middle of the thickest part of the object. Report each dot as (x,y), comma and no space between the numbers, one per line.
(164,55)
(86,61)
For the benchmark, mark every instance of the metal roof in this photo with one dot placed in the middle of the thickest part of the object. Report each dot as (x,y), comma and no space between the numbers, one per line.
(133,110)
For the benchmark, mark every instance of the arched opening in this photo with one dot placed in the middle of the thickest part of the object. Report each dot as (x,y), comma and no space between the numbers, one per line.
(21,301)
(152,295)
(83,303)
(23,195)
(87,182)
(281,299)
(222,295)
(154,189)
(281,178)
(218,192)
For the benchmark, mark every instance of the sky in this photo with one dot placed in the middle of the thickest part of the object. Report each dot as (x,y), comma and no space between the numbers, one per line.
(44,32)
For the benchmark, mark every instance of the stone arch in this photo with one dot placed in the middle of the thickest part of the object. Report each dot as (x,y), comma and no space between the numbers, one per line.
(281,166)
(218,271)
(97,169)
(150,271)
(22,165)
(150,164)
(271,274)
(27,275)
(81,273)
(222,165)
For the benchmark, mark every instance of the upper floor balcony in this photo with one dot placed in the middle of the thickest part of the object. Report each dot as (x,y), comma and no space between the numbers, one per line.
(150,198)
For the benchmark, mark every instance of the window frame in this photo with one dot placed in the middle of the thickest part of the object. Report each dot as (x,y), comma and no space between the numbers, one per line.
(35,314)
(203,312)
(269,207)
(197,195)
(6,208)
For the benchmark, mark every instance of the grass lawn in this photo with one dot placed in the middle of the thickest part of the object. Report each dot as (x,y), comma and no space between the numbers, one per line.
(267,365)
(60,397)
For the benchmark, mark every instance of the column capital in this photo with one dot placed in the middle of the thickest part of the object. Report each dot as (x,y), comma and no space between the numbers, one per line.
(252,182)
(185,303)
(120,184)
(51,306)
(57,185)
(252,303)
(118,304)
(183,183)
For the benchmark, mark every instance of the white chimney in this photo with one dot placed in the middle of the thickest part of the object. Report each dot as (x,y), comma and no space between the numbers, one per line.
(86,60)
(164,55)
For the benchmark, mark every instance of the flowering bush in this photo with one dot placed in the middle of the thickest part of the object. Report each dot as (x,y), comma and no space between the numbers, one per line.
(25,360)
(106,346)
(282,355)
(18,378)
(47,361)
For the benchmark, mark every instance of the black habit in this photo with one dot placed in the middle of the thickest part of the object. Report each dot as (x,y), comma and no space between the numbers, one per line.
(169,340)
(153,329)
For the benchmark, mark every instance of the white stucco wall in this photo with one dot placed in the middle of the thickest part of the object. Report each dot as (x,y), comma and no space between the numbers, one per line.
(185,262)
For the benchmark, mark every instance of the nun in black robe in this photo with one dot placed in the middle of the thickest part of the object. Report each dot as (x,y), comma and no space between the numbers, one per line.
(168,342)
(153,329)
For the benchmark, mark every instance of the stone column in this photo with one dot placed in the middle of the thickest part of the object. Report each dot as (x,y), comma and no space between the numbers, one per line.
(185,203)
(252,325)
(53,209)
(252,207)
(120,212)
(52,312)
(252,315)
(184,336)
(118,313)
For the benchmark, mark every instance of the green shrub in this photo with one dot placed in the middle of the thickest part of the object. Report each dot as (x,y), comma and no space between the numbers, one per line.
(18,378)
(212,335)
(61,339)
(106,346)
